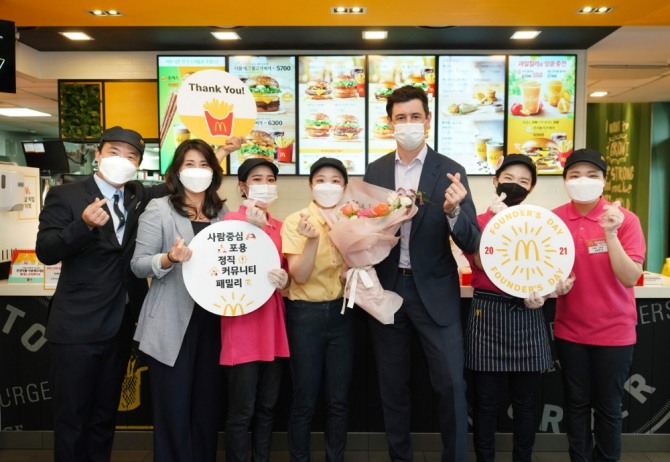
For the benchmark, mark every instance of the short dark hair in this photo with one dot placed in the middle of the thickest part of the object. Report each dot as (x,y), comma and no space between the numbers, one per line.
(213,203)
(404,94)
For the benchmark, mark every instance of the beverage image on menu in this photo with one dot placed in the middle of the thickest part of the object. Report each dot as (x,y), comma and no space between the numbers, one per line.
(472,120)
(385,74)
(541,109)
(331,106)
(271,82)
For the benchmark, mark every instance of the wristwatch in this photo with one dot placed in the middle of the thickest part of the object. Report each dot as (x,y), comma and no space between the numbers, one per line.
(454,213)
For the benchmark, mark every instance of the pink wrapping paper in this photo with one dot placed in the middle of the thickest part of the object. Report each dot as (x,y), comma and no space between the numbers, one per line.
(364,242)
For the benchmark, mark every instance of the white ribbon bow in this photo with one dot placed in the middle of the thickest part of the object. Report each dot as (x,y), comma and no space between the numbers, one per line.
(353,274)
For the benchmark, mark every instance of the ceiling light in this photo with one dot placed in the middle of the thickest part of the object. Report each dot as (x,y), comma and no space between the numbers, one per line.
(22,112)
(595,10)
(375,34)
(226,35)
(76,35)
(525,34)
(100,13)
(598,94)
(347,10)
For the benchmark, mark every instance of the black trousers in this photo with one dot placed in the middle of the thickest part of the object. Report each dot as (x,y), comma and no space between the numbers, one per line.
(185,397)
(524,391)
(86,381)
(443,347)
(253,389)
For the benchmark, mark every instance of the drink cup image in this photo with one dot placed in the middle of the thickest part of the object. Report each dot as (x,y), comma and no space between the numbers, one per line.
(480,147)
(181,134)
(530,96)
(494,151)
(554,92)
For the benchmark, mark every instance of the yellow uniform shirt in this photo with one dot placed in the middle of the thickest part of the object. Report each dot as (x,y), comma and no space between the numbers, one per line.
(324,282)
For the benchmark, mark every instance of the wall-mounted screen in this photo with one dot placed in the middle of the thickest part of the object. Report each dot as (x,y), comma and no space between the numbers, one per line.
(331,107)
(541,109)
(271,80)
(172,70)
(471,122)
(7,56)
(386,73)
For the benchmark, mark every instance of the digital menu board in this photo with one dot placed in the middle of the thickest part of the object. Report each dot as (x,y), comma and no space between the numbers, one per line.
(541,109)
(331,106)
(471,123)
(271,80)
(386,73)
(172,70)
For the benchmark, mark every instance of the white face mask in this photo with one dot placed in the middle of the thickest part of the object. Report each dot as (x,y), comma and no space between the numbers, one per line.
(196,179)
(327,195)
(117,169)
(409,136)
(584,190)
(264,193)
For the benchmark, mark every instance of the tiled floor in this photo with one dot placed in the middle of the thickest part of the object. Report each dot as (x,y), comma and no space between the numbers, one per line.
(31,455)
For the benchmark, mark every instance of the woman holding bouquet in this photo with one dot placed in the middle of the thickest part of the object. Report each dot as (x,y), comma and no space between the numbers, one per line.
(321,339)
(506,338)
(253,346)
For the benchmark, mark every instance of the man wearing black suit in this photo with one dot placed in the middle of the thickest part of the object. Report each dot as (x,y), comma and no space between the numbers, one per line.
(90,227)
(422,269)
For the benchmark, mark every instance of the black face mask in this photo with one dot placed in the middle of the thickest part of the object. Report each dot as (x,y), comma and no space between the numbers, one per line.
(515,193)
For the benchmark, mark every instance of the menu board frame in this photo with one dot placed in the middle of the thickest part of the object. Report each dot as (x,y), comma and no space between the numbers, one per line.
(167,128)
(329,124)
(540,115)
(278,128)
(436,140)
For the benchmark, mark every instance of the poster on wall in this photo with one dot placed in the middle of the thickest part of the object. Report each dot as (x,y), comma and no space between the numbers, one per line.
(386,73)
(541,109)
(271,80)
(172,71)
(471,123)
(331,105)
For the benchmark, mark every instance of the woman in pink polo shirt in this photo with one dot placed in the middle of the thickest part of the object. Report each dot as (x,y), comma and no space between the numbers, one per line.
(253,346)
(595,319)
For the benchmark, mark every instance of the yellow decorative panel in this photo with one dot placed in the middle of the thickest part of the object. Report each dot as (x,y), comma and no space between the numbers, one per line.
(132,105)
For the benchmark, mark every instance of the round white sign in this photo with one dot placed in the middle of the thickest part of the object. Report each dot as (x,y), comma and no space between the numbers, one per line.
(228,271)
(215,105)
(526,248)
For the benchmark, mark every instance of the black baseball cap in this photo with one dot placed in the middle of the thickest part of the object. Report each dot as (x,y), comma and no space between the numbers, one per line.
(328,162)
(586,155)
(511,159)
(123,134)
(248,165)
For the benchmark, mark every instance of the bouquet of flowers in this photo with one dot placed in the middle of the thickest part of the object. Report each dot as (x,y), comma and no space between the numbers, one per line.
(364,231)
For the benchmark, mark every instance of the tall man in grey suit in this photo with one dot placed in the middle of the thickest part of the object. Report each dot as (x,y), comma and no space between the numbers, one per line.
(422,269)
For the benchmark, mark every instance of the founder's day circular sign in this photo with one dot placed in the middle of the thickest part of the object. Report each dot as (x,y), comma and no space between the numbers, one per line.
(526,249)
(228,271)
(215,105)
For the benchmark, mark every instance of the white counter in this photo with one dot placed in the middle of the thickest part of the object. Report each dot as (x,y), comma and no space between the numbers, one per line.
(24,290)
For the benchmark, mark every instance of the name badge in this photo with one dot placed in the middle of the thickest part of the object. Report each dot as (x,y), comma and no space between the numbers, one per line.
(597,246)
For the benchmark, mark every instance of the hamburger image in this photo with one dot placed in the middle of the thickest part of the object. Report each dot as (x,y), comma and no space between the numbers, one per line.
(318,89)
(258,144)
(383,90)
(543,152)
(318,125)
(265,91)
(344,86)
(418,82)
(382,128)
(346,127)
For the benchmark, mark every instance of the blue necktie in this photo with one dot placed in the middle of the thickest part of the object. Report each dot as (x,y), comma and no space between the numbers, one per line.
(117,211)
